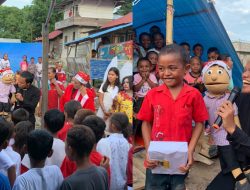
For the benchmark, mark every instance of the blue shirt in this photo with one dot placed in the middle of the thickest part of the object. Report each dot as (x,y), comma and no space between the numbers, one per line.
(4,183)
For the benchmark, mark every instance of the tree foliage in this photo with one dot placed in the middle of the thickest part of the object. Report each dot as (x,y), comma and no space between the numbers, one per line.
(125,8)
(26,23)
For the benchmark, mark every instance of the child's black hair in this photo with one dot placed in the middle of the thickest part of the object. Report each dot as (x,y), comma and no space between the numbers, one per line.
(39,144)
(54,120)
(151,52)
(154,28)
(4,131)
(19,114)
(175,49)
(223,57)
(22,129)
(117,81)
(71,108)
(81,139)
(213,49)
(185,44)
(130,81)
(197,45)
(81,115)
(121,122)
(96,124)
(143,59)
(143,34)
(157,33)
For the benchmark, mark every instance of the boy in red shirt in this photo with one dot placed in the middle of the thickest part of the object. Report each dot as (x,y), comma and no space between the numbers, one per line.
(70,110)
(98,126)
(167,113)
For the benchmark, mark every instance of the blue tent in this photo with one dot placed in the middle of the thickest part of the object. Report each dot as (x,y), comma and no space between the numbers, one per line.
(195,21)
(16,51)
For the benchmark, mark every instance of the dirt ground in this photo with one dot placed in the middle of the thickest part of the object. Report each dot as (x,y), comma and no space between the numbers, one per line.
(199,177)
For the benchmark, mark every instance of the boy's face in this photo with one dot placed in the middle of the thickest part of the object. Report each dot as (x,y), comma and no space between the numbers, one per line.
(68,150)
(144,67)
(5,57)
(195,66)
(246,79)
(40,60)
(187,49)
(229,62)
(158,41)
(198,51)
(145,40)
(32,60)
(212,56)
(171,70)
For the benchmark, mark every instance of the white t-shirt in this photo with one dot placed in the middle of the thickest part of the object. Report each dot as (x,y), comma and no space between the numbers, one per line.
(39,69)
(115,147)
(4,64)
(5,162)
(56,158)
(48,177)
(15,157)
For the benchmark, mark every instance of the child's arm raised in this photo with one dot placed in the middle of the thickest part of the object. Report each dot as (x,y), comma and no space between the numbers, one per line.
(138,86)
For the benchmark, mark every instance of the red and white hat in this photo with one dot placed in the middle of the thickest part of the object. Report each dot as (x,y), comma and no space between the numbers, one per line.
(6,72)
(219,63)
(82,77)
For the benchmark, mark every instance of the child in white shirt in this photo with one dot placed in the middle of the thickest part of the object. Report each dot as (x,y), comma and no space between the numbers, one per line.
(7,166)
(116,148)
(4,63)
(39,147)
(53,122)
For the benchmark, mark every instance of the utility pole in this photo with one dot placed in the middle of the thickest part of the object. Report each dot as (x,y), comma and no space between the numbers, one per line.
(169,20)
(45,36)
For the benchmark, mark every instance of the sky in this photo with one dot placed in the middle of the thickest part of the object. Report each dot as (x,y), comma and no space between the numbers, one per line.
(234,15)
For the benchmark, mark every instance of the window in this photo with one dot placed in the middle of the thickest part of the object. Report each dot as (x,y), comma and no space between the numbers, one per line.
(74,35)
(65,39)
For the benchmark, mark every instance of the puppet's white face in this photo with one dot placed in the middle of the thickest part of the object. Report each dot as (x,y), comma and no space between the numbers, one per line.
(216,80)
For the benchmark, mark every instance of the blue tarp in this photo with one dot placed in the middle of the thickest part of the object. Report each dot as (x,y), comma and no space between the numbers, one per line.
(99,34)
(195,21)
(17,50)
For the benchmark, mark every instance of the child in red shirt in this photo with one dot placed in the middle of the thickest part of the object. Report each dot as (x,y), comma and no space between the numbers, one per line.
(167,113)
(98,126)
(70,110)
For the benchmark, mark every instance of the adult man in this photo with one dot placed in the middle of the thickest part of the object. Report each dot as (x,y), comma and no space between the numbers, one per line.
(27,95)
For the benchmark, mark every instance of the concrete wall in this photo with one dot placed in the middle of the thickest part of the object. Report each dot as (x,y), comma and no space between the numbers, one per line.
(243,51)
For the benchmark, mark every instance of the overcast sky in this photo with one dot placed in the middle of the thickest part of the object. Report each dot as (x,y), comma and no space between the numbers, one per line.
(234,14)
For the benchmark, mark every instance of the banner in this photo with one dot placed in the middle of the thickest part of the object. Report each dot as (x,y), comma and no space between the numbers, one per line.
(123,51)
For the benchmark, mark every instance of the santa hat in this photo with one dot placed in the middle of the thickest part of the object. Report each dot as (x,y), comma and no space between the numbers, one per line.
(82,77)
(219,63)
(6,72)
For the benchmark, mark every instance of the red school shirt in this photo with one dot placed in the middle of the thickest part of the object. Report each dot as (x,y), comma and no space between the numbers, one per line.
(68,167)
(53,100)
(172,119)
(62,134)
(86,101)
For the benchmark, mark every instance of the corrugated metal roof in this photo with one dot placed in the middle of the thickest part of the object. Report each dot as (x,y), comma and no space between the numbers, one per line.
(98,34)
(52,35)
(123,20)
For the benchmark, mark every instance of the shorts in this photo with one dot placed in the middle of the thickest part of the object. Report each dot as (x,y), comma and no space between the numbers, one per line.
(164,181)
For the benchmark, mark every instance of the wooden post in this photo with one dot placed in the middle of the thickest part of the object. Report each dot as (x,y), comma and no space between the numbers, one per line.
(169,21)
(45,35)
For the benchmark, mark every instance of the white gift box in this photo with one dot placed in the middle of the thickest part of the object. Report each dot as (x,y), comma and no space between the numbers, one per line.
(171,155)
